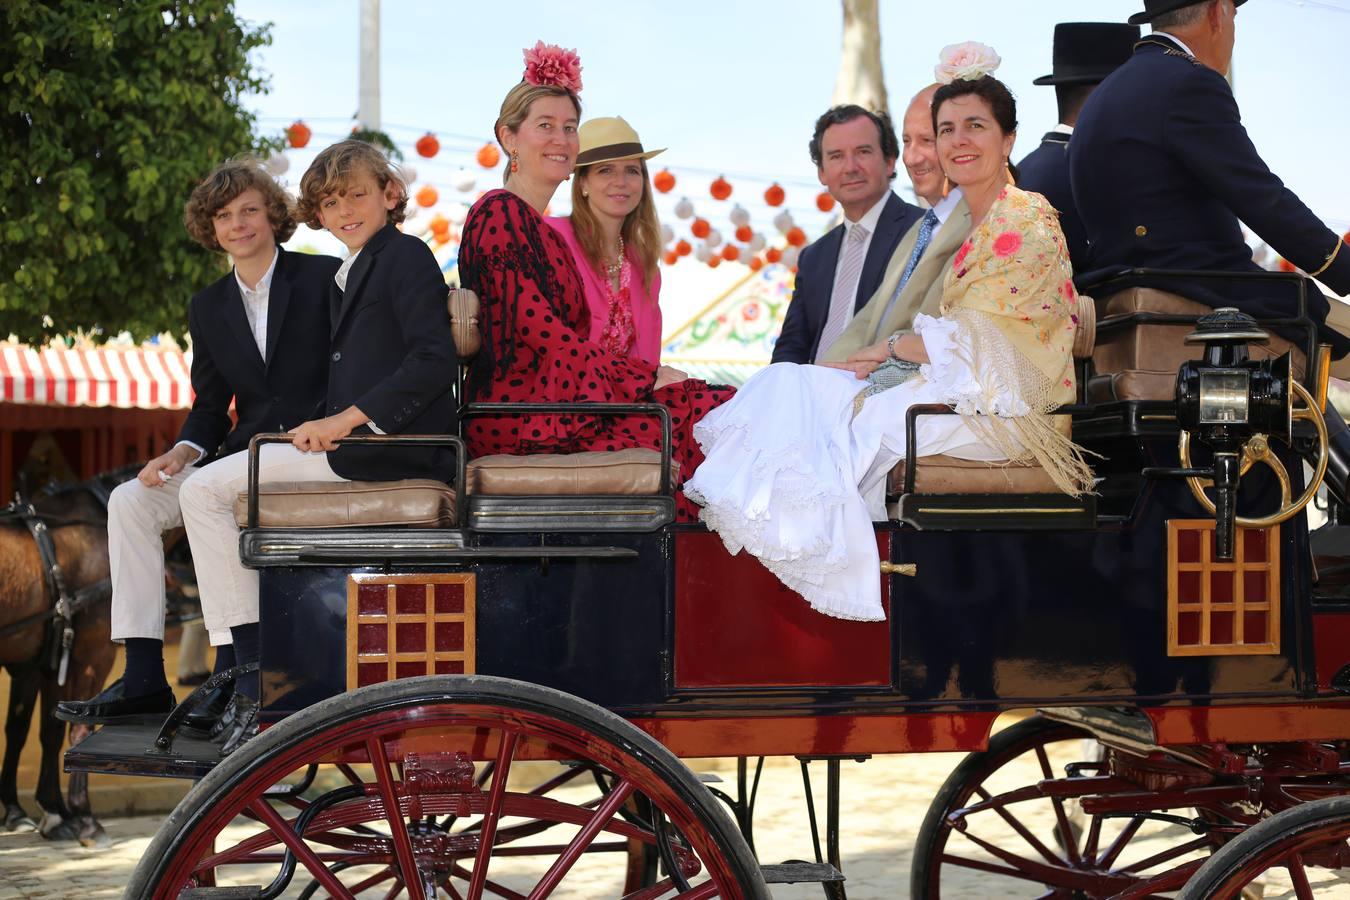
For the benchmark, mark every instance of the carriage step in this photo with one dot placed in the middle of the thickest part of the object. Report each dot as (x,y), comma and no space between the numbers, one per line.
(798,873)
(708,777)
(251,892)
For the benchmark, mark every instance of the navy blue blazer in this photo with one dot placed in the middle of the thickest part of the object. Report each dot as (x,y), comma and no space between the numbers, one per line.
(272,394)
(1162,172)
(810,304)
(1045,170)
(393,358)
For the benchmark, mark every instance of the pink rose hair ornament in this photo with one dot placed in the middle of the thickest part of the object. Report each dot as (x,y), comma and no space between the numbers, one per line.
(969,61)
(548,65)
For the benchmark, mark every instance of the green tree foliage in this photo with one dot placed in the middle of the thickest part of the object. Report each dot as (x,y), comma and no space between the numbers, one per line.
(110,112)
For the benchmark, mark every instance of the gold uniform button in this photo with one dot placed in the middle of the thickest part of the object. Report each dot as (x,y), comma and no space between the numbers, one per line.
(1141,231)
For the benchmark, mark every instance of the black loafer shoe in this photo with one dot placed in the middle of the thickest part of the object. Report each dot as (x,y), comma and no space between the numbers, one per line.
(209,709)
(244,724)
(112,708)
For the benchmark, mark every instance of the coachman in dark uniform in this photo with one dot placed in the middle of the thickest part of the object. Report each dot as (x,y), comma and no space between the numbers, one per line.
(1084,54)
(1163,170)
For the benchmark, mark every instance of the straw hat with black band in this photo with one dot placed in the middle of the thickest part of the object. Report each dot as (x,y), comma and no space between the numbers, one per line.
(1155,8)
(609,138)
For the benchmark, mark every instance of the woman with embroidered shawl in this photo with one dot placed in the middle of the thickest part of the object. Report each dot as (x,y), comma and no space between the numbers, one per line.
(534,314)
(801,491)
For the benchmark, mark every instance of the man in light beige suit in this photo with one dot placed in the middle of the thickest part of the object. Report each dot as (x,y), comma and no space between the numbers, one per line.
(913,280)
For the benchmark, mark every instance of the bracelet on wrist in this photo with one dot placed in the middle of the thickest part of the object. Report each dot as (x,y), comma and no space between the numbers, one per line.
(890,345)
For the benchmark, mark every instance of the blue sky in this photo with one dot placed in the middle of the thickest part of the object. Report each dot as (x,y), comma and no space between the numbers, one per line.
(734,86)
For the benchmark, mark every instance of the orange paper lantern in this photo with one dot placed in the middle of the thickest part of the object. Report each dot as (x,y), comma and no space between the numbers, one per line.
(670,257)
(440,225)
(744,234)
(700,228)
(824,202)
(773,255)
(664,181)
(730,252)
(774,195)
(427,196)
(756,264)
(489,156)
(1286,266)
(298,134)
(683,247)
(795,236)
(720,188)
(714,262)
(427,145)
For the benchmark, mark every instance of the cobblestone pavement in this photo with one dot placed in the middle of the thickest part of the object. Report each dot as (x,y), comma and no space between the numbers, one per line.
(884,801)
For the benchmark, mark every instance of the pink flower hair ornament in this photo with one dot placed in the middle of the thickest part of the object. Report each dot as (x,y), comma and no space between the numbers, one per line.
(548,65)
(969,61)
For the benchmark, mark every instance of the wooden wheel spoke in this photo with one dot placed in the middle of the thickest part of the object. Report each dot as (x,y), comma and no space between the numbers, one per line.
(501,768)
(369,882)
(1041,871)
(489,885)
(1094,838)
(282,829)
(1121,841)
(1167,855)
(1016,825)
(1299,876)
(585,836)
(1067,840)
(981,865)
(398,829)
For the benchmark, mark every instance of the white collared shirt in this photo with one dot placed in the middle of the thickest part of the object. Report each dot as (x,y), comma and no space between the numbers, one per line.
(344,270)
(1176,40)
(255,303)
(869,221)
(1061,128)
(944,208)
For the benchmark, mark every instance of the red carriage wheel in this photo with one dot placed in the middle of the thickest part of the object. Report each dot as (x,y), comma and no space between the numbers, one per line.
(989,820)
(429,804)
(1295,844)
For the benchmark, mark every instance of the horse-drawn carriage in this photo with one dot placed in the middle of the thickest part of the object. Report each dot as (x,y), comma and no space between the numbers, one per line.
(1184,645)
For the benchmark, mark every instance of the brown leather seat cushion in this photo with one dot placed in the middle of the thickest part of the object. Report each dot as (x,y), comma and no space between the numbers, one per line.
(617,472)
(416,502)
(463,306)
(949,475)
(1085,329)
(1143,359)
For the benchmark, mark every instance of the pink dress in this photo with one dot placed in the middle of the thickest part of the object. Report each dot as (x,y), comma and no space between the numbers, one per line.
(643,307)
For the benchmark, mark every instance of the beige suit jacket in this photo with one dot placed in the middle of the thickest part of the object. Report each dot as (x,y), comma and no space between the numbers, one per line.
(922,293)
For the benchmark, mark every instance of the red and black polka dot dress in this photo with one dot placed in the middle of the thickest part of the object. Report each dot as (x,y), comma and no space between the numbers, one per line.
(533,315)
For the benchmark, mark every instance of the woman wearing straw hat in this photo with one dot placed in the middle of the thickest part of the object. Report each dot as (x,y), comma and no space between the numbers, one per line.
(615,238)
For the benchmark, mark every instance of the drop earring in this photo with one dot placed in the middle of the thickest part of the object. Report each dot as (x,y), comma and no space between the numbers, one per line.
(515,161)
(946,185)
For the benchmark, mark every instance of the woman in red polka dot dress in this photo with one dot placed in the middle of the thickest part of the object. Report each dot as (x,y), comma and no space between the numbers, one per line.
(533,308)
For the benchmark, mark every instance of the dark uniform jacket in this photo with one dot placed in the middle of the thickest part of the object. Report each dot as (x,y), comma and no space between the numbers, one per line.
(392,357)
(1162,172)
(272,394)
(1045,170)
(809,308)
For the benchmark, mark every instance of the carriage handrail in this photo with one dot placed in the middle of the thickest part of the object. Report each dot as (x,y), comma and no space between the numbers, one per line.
(1139,277)
(589,409)
(408,440)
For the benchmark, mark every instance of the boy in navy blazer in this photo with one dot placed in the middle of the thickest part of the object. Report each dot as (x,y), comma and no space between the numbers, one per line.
(391,364)
(259,342)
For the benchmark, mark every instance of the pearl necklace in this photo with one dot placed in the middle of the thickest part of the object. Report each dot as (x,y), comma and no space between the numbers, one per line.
(613,269)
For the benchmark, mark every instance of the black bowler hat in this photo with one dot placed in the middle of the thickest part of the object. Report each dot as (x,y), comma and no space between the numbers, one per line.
(1086,52)
(1155,8)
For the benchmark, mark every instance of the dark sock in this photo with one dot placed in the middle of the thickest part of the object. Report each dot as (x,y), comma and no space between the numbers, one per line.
(224,658)
(145,668)
(246,641)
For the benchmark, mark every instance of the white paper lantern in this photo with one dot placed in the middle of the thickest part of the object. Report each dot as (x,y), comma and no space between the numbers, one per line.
(757,242)
(746,255)
(739,216)
(684,209)
(714,238)
(667,234)
(277,165)
(789,256)
(409,173)
(783,221)
(702,253)
(464,181)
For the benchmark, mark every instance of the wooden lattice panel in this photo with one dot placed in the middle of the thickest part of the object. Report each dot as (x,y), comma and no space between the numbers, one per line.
(1219,608)
(401,626)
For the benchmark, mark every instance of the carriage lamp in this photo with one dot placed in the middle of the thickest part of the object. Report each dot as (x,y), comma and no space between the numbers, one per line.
(1225,399)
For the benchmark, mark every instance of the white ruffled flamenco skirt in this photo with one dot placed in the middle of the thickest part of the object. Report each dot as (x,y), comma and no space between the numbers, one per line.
(792,477)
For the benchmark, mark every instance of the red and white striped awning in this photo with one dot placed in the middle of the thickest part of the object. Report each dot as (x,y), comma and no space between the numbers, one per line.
(126,377)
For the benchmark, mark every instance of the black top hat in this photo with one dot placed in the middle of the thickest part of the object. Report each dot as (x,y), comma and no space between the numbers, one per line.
(1155,8)
(1086,52)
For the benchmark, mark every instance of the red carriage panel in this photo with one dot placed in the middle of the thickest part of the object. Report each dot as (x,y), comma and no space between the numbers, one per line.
(736,625)
(1331,646)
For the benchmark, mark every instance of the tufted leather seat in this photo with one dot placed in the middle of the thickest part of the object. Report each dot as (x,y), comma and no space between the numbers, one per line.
(414,503)
(616,473)
(1140,362)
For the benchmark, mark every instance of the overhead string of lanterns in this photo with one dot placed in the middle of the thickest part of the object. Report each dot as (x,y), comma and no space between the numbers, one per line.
(760,228)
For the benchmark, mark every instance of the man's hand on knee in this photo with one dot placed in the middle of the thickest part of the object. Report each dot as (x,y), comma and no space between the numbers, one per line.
(163,467)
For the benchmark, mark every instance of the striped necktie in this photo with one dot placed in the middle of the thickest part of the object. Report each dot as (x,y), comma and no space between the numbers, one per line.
(926,229)
(845,292)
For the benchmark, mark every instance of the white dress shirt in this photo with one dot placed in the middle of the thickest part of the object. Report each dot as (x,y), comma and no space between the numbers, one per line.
(944,208)
(869,221)
(344,270)
(1176,40)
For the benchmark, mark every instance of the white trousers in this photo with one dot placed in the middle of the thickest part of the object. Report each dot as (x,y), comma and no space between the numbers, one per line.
(138,516)
(229,592)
